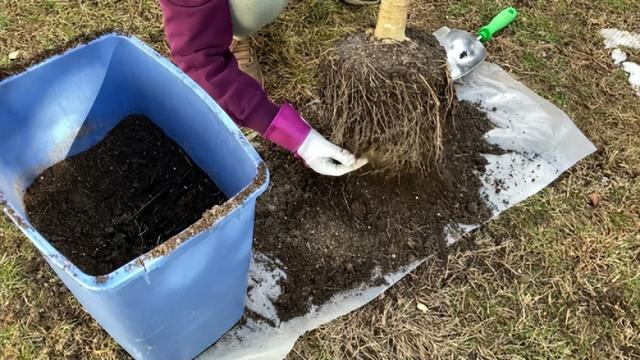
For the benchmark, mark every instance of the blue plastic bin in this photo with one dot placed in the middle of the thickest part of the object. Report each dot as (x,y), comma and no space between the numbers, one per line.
(170,306)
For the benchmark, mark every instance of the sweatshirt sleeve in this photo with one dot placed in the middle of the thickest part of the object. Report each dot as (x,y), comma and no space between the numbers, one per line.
(199,33)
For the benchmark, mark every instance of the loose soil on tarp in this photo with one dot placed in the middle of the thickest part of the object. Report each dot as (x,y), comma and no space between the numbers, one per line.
(333,234)
(121,198)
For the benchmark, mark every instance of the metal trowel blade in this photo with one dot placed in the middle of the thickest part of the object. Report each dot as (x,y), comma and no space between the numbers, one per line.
(464,51)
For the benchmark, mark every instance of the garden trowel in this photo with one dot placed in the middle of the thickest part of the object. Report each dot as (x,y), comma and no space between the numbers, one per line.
(465,51)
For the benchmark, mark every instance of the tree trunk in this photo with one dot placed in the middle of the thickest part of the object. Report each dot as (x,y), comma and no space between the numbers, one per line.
(392,20)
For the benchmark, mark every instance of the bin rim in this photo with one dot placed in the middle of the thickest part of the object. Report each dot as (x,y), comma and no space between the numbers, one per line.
(151,260)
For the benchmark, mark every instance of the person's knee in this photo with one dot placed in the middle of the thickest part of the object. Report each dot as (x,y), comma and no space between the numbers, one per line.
(249,16)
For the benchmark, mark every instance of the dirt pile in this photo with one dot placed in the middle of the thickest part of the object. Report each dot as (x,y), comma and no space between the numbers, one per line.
(131,192)
(333,234)
(394,103)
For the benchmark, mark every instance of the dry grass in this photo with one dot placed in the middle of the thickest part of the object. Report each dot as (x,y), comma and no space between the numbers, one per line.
(552,278)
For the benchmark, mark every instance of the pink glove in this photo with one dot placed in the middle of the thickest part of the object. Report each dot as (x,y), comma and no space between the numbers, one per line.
(289,130)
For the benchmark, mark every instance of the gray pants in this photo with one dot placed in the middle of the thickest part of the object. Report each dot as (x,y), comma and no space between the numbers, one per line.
(249,16)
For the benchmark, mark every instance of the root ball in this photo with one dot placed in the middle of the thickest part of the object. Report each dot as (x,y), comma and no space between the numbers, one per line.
(389,101)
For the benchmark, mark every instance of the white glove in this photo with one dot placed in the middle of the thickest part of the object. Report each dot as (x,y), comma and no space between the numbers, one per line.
(326,158)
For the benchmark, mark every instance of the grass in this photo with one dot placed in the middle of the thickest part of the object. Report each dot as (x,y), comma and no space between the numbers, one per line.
(552,278)
(11,277)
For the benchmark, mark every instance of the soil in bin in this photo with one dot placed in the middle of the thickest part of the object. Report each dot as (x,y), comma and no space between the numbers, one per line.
(333,234)
(121,198)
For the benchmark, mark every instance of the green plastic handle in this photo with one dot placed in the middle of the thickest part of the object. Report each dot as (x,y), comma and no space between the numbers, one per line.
(501,21)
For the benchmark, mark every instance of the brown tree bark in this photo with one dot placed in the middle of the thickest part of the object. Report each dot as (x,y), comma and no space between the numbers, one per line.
(392,20)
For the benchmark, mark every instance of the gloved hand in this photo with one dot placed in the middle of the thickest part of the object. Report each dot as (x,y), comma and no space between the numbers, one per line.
(289,130)
(326,158)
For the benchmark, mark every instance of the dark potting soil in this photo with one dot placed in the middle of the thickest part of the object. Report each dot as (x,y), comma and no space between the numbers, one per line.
(331,234)
(121,198)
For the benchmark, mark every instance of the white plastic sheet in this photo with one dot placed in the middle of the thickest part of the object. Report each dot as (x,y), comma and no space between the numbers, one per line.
(544,143)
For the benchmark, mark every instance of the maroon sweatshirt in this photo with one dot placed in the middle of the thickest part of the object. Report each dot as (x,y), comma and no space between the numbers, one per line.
(199,34)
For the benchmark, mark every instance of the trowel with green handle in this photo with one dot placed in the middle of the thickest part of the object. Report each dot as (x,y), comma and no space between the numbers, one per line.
(465,51)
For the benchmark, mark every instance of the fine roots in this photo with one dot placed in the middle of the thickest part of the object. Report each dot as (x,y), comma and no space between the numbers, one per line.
(389,101)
